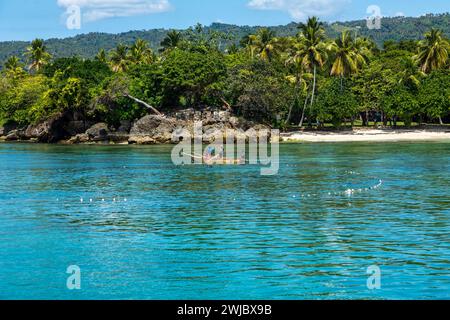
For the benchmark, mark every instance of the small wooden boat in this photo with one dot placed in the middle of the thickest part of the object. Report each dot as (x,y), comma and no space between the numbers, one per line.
(224,161)
(216,160)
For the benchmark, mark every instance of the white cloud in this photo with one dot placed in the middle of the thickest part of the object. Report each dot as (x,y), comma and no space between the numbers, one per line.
(301,9)
(102,9)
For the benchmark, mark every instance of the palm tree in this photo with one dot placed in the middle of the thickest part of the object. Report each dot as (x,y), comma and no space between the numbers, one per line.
(345,57)
(140,53)
(101,56)
(263,44)
(250,43)
(411,76)
(37,55)
(172,40)
(295,56)
(266,44)
(433,51)
(363,48)
(312,35)
(12,63)
(119,58)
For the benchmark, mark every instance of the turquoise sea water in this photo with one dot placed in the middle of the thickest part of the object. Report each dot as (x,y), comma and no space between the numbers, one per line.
(157,231)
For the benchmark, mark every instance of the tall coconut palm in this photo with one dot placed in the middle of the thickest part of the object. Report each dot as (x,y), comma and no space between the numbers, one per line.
(345,57)
(37,55)
(140,53)
(266,44)
(433,51)
(312,35)
(119,58)
(101,56)
(172,40)
(263,44)
(12,63)
(410,75)
(250,42)
(295,58)
(363,48)
(301,87)
(245,41)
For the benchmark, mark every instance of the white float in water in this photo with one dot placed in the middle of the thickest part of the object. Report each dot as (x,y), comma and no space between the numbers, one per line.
(349,192)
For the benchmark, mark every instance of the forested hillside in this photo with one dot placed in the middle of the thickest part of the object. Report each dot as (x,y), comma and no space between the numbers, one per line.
(88,45)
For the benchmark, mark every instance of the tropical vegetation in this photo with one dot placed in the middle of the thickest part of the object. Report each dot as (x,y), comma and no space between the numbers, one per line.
(308,79)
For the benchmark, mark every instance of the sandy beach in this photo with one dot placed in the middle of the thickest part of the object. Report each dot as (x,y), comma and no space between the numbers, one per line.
(368,135)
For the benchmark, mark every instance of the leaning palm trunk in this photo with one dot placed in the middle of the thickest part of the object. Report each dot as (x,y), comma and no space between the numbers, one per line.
(288,119)
(289,114)
(312,95)
(144,104)
(303,112)
(440,121)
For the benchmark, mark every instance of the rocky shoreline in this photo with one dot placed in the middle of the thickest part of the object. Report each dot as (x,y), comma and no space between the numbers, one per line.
(151,129)
(71,128)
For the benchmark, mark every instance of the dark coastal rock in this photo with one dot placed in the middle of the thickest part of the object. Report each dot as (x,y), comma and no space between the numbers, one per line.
(74,127)
(14,135)
(7,128)
(79,138)
(213,132)
(162,129)
(240,123)
(259,127)
(98,132)
(141,140)
(47,131)
(209,116)
(223,132)
(125,126)
(222,116)
(159,128)
(214,117)
(73,123)
(235,122)
(185,115)
(55,129)
(118,137)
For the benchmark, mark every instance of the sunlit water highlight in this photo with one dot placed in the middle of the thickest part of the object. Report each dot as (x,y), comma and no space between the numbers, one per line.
(140,227)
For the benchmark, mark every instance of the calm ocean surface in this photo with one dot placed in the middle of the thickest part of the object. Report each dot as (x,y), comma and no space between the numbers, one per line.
(225,232)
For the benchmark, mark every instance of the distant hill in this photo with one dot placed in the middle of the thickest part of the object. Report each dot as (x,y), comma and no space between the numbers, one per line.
(87,45)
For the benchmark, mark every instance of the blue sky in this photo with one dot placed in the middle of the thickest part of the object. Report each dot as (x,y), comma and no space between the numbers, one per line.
(28,19)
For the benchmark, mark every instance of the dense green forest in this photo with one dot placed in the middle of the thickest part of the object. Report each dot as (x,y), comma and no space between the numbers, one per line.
(308,78)
(87,45)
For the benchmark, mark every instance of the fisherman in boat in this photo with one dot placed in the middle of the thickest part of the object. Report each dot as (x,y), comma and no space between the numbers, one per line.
(212,155)
(208,155)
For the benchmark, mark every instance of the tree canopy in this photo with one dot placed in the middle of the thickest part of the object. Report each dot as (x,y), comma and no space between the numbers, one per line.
(269,78)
